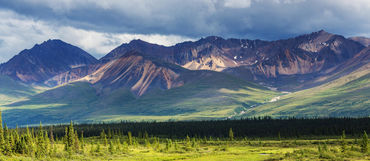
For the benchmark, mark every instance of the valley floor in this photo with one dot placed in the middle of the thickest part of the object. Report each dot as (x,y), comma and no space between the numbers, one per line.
(215,150)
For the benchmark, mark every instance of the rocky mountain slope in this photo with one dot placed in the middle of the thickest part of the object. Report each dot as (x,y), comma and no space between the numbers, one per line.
(362,40)
(44,61)
(212,78)
(272,63)
(137,72)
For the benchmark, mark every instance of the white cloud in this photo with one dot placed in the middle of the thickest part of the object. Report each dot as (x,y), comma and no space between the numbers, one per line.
(19,32)
(99,26)
(237,3)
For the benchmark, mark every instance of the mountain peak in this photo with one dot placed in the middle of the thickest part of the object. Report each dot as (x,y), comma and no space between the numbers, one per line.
(136,41)
(211,38)
(52,41)
(45,60)
(320,33)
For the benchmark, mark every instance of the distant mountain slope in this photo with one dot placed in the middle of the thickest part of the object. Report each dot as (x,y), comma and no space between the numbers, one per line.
(138,73)
(44,61)
(12,91)
(203,95)
(363,40)
(346,96)
(272,63)
(207,79)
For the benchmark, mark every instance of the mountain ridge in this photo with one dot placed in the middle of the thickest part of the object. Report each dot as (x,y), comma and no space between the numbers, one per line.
(44,61)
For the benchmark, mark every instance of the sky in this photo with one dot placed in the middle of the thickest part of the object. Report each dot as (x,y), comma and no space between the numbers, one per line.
(98,26)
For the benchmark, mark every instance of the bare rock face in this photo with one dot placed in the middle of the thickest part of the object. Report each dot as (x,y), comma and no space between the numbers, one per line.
(137,73)
(71,75)
(305,54)
(141,66)
(44,61)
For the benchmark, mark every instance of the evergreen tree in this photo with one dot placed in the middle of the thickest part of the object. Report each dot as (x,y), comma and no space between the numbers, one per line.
(51,135)
(71,136)
(231,134)
(187,140)
(70,139)
(364,143)
(343,142)
(168,145)
(98,150)
(41,147)
(111,148)
(147,143)
(76,143)
(65,140)
(29,142)
(103,136)
(2,140)
(109,133)
(146,135)
(129,134)
(24,148)
(7,147)
(92,149)
(194,143)
(46,142)
(82,141)
(279,137)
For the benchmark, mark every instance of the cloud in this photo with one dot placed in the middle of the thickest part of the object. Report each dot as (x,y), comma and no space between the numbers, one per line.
(104,23)
(264,19)
(19,32)
(237,3)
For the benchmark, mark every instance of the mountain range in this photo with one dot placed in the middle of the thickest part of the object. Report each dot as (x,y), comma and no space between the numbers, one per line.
(313,75)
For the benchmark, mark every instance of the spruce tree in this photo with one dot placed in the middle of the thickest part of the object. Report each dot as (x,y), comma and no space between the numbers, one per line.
(46,142)
(147,143)
(231,134)
(82,141)
(70,139)
(40,144)
(103,136)
(65,140)
(76,143)
(279,137)
(51,135)
(187,140)
(111,148)
(91,149)
(7,147)
(343,142)
(2,140)
(29,142)
(129,134)
(71,136)
(364,143)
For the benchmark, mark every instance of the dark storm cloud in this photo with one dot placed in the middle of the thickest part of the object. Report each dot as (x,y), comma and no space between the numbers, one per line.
(266,19)
(98,26)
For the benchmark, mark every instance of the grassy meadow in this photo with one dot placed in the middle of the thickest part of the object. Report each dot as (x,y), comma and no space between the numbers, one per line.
(254,139)
(243,149)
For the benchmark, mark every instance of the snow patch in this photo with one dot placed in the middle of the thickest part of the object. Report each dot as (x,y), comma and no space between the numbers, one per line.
(275,99)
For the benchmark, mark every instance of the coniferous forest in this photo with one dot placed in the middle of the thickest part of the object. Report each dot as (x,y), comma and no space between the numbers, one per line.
(261,138)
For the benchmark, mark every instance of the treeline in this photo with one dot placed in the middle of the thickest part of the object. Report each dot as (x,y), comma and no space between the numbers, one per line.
(251,127)
(37,142)
(41,142)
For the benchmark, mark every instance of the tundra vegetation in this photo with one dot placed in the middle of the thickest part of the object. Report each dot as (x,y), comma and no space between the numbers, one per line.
(260,138)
